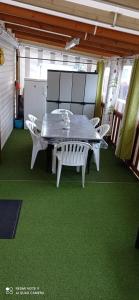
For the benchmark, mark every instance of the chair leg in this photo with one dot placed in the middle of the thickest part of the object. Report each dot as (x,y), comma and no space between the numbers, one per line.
(78,169)
(83,176)
(34,155)
(97,157)
(53,162)
(58,173)
(89,160)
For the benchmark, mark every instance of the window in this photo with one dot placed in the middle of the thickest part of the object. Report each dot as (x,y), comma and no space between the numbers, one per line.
(105,82)
(124,82)
(36,62)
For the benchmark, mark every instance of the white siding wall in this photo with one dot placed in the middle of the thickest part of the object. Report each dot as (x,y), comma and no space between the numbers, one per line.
(7,91)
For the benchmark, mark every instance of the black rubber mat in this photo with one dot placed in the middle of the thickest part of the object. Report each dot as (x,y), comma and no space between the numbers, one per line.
(9,216)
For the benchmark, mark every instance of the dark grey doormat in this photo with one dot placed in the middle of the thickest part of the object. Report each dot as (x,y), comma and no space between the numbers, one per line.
(9,216)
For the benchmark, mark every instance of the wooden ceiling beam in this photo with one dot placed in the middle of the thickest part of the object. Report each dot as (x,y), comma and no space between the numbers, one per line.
(90,37)
(117,35)
(94,51)
(113,43)
(117,51)
(43,21)
(16,28)
(66,23)
(41,26)
(72,33)
(134,4)
(98,14)
(30,37)
(22,37)
(96,44)
(38,38)
(100,49)
(81,50)
(45,18)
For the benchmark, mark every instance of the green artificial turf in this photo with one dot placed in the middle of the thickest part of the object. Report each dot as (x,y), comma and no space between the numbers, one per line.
(16,158)
(72,243)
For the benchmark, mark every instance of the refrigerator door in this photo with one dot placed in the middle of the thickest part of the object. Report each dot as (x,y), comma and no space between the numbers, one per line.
(35,93)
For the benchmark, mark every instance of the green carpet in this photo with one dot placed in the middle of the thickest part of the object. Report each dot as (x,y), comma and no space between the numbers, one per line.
(16,164)
(72,243)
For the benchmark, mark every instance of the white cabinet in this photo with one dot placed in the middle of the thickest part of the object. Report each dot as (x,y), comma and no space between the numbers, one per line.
(75,91)
(90,88)
(35,98)
(78,87)
(65,86)
(53,88)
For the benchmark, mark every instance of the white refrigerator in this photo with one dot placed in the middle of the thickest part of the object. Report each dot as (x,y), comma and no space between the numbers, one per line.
(35,93)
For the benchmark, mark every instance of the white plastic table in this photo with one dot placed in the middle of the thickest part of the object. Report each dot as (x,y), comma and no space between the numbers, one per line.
(53,127)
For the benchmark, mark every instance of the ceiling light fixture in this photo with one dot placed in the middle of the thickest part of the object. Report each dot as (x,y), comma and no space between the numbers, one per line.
(72,43)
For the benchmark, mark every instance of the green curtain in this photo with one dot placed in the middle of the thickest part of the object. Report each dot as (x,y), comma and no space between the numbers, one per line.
(126,137)
(100,71)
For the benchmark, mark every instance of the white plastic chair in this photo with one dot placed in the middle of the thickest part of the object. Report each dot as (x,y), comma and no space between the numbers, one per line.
(61,111)
(35,120)
(38,142)
(32,118)
(95,121)
(102,130)
(70,154)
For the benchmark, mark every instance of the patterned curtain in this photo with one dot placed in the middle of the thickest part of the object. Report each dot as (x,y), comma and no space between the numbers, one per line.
(100,71)
(130,117)
(112,90)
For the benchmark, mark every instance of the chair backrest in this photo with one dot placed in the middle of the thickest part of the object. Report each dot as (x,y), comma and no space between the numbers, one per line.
(33,131)
(95,121)
(103,129)
(61,111)
(32,118)
(73,151)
